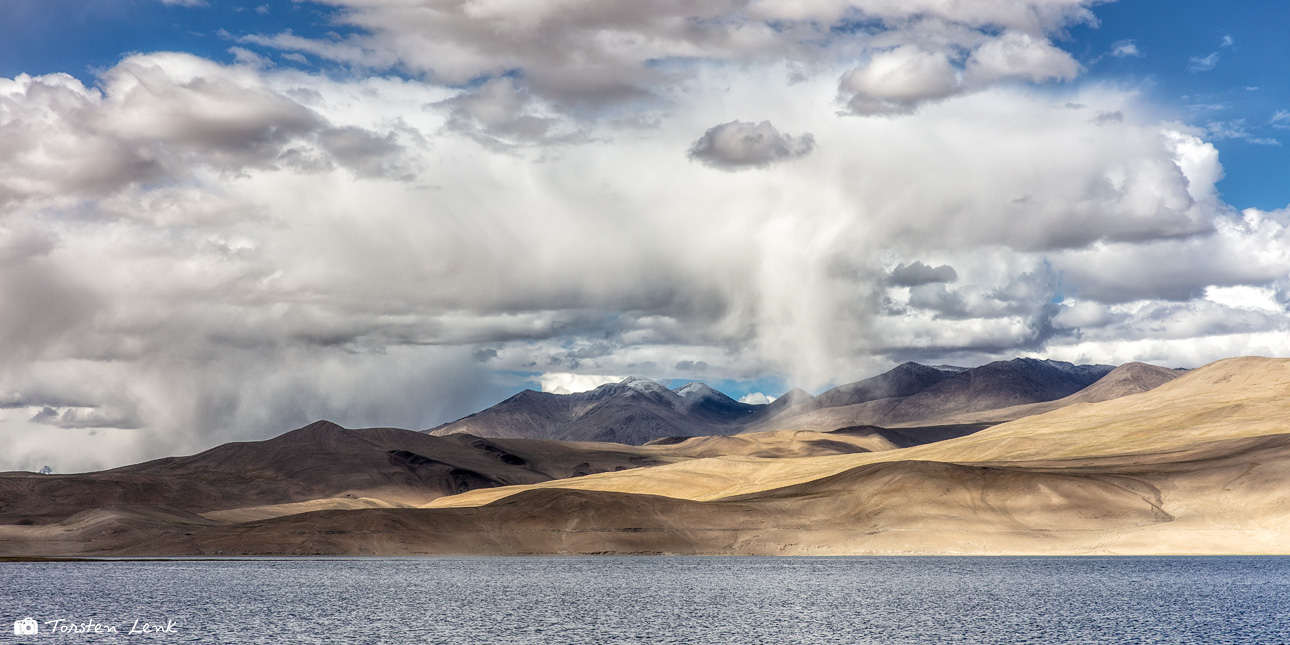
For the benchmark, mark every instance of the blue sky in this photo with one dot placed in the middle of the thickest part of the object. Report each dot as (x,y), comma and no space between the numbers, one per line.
(79,37)
(1242,86)
(223,220)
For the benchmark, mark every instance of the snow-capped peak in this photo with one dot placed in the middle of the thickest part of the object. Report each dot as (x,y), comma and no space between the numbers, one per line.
(644,385)
(695,390)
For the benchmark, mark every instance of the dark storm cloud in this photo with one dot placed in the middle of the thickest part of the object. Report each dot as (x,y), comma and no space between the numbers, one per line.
(916,273)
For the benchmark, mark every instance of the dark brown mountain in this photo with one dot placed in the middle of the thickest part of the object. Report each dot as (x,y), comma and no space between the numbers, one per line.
(905,379)
(1127,379)
(634,411)
(793,398)
(321,460)
(707,403)
(954,397)
(997,385)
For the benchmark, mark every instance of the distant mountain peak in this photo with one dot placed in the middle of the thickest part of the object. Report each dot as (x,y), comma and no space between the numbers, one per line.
(949,368)
(695,390)
(796,394)
(645,386)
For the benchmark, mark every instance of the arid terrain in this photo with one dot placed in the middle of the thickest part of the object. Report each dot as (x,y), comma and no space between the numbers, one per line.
(1016,457)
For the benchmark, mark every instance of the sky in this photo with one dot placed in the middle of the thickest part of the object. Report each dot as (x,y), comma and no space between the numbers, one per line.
(221,220)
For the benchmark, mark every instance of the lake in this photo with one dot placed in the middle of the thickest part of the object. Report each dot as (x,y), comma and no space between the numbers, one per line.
(653,600)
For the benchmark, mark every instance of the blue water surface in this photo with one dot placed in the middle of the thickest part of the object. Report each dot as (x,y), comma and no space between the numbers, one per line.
(657,600)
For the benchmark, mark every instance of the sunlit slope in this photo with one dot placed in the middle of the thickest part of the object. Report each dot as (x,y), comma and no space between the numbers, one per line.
(579,458)
(1228,399)
(1232,398)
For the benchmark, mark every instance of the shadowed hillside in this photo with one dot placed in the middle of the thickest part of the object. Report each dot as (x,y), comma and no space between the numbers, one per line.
(319,461)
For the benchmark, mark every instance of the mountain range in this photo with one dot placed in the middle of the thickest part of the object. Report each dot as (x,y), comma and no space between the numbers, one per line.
(1000,459)
(633,411)
(636,410)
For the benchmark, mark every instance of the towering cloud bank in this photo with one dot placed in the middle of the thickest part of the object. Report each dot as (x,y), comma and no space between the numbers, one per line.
(466,195)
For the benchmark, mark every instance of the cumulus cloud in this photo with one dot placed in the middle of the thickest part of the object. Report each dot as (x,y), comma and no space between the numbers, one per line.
(1242,251)
(1017,55)
(897,81)
(610,53)
(741,144)
(756,398)
(900,80)
(158,118)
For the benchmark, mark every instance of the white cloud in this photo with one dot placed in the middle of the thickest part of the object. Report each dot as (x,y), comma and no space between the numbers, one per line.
(1020,56)
(1125,49)
(756,398)
(625,52)
(898,81)
(159,118)
(1245,297)
(569,383)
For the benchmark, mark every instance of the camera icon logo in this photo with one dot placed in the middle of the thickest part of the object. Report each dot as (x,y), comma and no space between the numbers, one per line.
(25,627)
